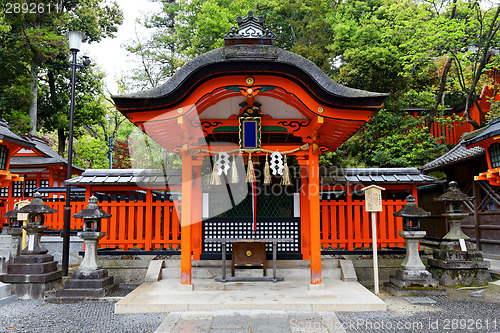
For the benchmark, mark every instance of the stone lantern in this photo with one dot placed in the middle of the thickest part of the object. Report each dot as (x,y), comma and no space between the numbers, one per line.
(454,214)
(34,271)
(457,262)
(14,223)
(36,211)
(412,278)
(91,233)
(15,230)
(90,281)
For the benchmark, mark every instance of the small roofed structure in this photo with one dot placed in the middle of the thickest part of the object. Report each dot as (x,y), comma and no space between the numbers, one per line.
(10,143)
(251,99)
(39,166)
(469,165)
(489,140)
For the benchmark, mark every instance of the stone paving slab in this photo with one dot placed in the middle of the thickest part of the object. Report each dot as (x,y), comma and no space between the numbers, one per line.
(255,321)
(289,295)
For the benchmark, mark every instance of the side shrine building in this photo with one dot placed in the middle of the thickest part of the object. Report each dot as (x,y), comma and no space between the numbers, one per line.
(250,121)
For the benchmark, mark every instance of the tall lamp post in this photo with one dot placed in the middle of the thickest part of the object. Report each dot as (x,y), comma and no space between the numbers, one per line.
(75,43)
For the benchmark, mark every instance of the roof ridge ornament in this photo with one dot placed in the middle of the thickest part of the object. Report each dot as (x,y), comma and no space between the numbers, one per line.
(250,30)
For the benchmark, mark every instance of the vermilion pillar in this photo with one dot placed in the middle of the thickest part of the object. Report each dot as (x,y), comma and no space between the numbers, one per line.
(187,192)
(197,208)
(304,210)
(314,213)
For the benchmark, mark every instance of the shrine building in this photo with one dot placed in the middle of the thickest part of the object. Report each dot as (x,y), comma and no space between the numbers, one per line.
(238,105)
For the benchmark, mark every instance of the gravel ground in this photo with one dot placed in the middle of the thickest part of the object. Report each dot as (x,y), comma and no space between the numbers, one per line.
(459,311)
(35,316)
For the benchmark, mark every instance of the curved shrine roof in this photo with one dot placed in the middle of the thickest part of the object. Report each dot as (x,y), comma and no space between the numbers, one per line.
(249,60)
(250,65)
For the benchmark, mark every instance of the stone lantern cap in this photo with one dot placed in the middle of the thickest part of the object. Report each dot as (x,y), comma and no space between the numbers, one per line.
(411,209)
(36,206)
(453,194)
(11,214)
(92,211)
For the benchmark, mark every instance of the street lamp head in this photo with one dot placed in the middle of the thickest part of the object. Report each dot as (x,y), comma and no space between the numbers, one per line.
(86,61)
(75,40)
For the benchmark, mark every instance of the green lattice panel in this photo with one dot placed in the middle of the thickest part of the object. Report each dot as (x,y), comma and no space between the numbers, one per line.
(494,151)
(267,206)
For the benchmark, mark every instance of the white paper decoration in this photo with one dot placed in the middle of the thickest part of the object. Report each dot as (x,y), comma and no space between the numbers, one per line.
(222,163)
(277,163)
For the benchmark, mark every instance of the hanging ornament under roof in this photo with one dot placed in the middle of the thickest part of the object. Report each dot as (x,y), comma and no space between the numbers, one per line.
(277,163)
(222,163)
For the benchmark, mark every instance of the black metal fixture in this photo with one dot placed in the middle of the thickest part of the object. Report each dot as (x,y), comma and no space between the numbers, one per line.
(75,42)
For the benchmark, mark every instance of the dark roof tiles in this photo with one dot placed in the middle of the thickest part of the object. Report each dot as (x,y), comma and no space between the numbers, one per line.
(332,176)
(457,154)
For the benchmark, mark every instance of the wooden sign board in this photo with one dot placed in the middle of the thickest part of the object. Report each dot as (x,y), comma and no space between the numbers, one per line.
(22,216)
(373,198)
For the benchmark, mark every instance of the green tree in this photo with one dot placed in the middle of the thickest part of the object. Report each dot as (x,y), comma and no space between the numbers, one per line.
(54,103)
(302,27)
(460,31)
(181,30)
(90,153)
(390,139)
(35,45)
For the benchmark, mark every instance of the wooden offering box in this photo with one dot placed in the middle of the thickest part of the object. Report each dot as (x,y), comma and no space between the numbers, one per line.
(249,254)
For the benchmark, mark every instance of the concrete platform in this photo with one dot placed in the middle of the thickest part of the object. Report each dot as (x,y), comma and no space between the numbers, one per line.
(166,295)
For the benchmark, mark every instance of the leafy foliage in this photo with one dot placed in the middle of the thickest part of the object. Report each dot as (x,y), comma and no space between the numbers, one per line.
(391,139)
(34,71)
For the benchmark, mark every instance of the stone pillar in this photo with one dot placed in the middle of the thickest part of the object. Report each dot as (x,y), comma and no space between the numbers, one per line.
(34,234)
(90,260)
(412,260)
(15,234)
(412,278)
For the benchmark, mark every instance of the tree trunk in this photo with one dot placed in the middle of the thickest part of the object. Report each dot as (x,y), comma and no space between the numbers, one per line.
(34,95)
(439,96)
(61,138)
(444,77)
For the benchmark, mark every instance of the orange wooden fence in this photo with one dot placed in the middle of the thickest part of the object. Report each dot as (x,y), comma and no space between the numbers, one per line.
(350,227)
(154,225)
(148,225)
(451,133)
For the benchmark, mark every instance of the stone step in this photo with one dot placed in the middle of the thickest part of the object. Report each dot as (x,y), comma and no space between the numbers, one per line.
(31,278)
(77,295)
(88,283)
(325,262)
(33,259)
(287,273)
(36,268)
